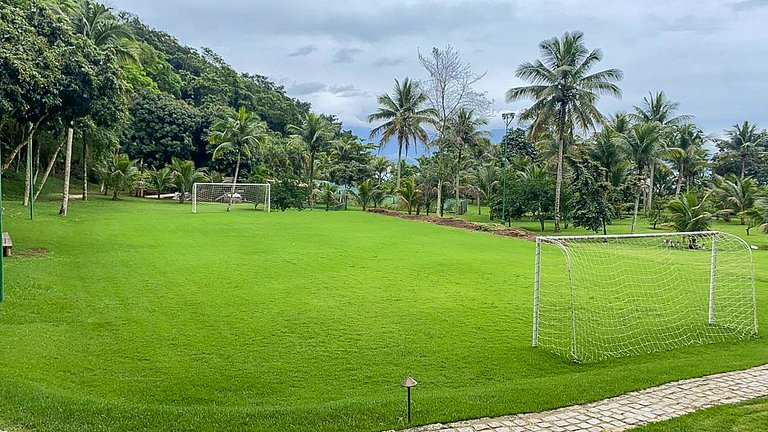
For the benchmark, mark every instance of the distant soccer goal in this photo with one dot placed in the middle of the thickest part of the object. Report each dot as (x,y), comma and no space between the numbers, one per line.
(597,297)
(231,196)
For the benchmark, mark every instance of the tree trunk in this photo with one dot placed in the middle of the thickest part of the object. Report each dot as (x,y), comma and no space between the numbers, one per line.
(743,166)
(85,168)
(234,182)
(48,169)
(637,207)
(680,177)
(67,173)
(559,178)
(458,176)
(479,209)
(311,178)
(649,198)
(399,156)
(440,198)
(28,172)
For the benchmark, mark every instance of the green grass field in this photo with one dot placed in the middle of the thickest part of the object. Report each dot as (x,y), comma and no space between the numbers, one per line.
(138,315)
(747,417)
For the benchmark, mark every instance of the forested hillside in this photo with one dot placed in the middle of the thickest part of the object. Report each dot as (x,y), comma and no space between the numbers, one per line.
(96,90)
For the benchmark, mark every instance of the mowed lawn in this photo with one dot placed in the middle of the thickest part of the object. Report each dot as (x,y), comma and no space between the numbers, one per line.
(143,316)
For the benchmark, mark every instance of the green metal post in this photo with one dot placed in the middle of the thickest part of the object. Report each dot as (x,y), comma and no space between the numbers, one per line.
(2,279)
(507,117)
(31,191)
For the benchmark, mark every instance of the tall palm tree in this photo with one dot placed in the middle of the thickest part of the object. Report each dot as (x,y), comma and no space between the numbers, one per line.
(658,108)
(687,153)
(97,23)
(742,143)
(642,149)
(404,116)
(607,149)
(564,92)
(463,132)
(486,179)
(314,132)
(381,167)
(240,131)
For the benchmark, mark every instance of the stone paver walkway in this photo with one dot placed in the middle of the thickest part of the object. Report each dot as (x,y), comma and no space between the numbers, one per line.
(629,410)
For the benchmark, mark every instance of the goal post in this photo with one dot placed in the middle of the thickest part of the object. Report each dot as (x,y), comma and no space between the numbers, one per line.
(604,296)
(237,195)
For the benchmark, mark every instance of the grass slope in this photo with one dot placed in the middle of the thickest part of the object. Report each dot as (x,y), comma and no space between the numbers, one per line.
(143,316)
(747,417)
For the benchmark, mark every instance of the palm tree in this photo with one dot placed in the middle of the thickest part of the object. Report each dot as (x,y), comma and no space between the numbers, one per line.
(185,175)
(738,193)
(687,154)
(328,194)
(363,194)
(160,180)
(409,194)
(463,132)
(486,181)
(742,143)
(239,131)
(757,216)
(404,117)
(97,23)
(564,93)
(642,142)
(123,174)
(381,167)
(687,213)
(607,149)
(315,132)
(657,108)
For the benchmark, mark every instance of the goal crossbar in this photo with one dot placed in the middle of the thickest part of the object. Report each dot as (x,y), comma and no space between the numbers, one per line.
(656,290)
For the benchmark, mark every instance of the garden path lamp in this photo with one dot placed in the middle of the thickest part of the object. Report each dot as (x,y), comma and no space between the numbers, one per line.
(409,383)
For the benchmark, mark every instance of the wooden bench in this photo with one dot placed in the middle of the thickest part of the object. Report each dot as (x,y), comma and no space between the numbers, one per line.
(7,245)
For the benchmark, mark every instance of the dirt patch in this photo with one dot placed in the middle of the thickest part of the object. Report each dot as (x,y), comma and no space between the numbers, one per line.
(32,253)
(461,223)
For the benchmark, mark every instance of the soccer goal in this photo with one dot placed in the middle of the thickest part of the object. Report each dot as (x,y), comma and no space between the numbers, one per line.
(231,195)
(597,297)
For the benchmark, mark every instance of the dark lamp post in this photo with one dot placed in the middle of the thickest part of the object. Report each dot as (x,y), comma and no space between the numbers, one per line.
(507,117)
(408,383)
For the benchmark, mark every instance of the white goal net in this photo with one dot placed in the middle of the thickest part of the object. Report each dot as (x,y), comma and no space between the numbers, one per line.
(597,297)
(229,196)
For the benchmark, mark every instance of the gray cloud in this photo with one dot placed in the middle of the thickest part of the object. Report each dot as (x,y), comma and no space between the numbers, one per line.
(706,54)
(749,4)
(303,51)
(305,88)
(388,61)
(346,55)
(348,90)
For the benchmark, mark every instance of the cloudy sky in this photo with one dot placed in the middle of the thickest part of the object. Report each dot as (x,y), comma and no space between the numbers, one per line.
(710,55)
